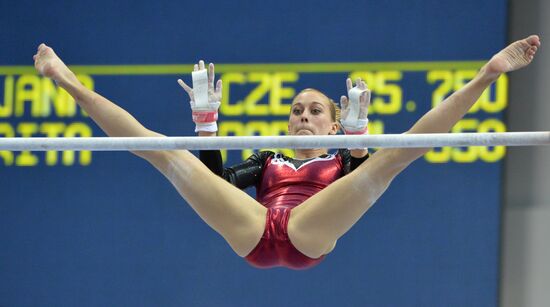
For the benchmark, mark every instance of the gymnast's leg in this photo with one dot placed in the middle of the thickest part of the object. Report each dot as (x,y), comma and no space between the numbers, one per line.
(315,225)
(231,212)
(228,210)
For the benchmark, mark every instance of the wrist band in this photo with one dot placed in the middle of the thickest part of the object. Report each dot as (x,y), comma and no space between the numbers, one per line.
(359,132)
(361,127)
(208,127)
(202,117)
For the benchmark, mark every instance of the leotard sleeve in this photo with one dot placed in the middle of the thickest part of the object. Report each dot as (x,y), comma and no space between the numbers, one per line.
(243,175)
(350,163)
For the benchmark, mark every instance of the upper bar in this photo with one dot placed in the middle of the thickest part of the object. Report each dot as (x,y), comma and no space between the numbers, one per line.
(295,142)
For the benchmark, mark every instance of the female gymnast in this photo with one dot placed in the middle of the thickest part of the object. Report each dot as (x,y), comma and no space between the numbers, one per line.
(304,204)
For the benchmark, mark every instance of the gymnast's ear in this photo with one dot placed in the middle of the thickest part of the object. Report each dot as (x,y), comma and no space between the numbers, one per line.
(334,129)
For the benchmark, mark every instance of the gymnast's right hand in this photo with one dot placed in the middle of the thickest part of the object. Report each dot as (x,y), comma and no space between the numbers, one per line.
(204,97)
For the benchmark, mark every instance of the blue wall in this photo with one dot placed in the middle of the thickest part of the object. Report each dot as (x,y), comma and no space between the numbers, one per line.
(107,229)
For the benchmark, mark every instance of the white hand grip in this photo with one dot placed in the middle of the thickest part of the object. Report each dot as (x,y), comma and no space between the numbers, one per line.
(200,89)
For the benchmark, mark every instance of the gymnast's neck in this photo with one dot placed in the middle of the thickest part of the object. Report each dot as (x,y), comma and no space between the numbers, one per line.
(302,154)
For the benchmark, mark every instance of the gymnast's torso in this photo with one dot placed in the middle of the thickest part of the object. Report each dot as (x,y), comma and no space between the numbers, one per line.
(287,182)
(281,180)
(282,183)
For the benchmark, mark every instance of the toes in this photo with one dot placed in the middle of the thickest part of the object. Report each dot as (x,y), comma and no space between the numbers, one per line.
(533,40)
(531,52)
(43,47)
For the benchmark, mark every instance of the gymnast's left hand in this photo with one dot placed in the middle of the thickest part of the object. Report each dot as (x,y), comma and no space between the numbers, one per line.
(355,109)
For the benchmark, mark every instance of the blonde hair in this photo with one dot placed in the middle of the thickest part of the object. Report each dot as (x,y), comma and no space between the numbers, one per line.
(334,108)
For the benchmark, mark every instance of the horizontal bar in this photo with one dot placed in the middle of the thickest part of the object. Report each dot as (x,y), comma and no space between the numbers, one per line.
(259,142)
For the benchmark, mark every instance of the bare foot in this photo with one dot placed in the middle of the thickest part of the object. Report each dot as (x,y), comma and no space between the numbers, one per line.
(48,64)
(517,55)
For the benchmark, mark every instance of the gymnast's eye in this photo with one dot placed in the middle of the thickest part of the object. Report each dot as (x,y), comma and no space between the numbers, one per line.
(316,111)
(296,111)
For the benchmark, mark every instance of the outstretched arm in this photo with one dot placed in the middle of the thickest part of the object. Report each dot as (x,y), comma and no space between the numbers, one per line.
(444,116)
(211,158)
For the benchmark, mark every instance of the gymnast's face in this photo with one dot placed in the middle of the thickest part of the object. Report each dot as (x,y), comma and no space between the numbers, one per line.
(311,114)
